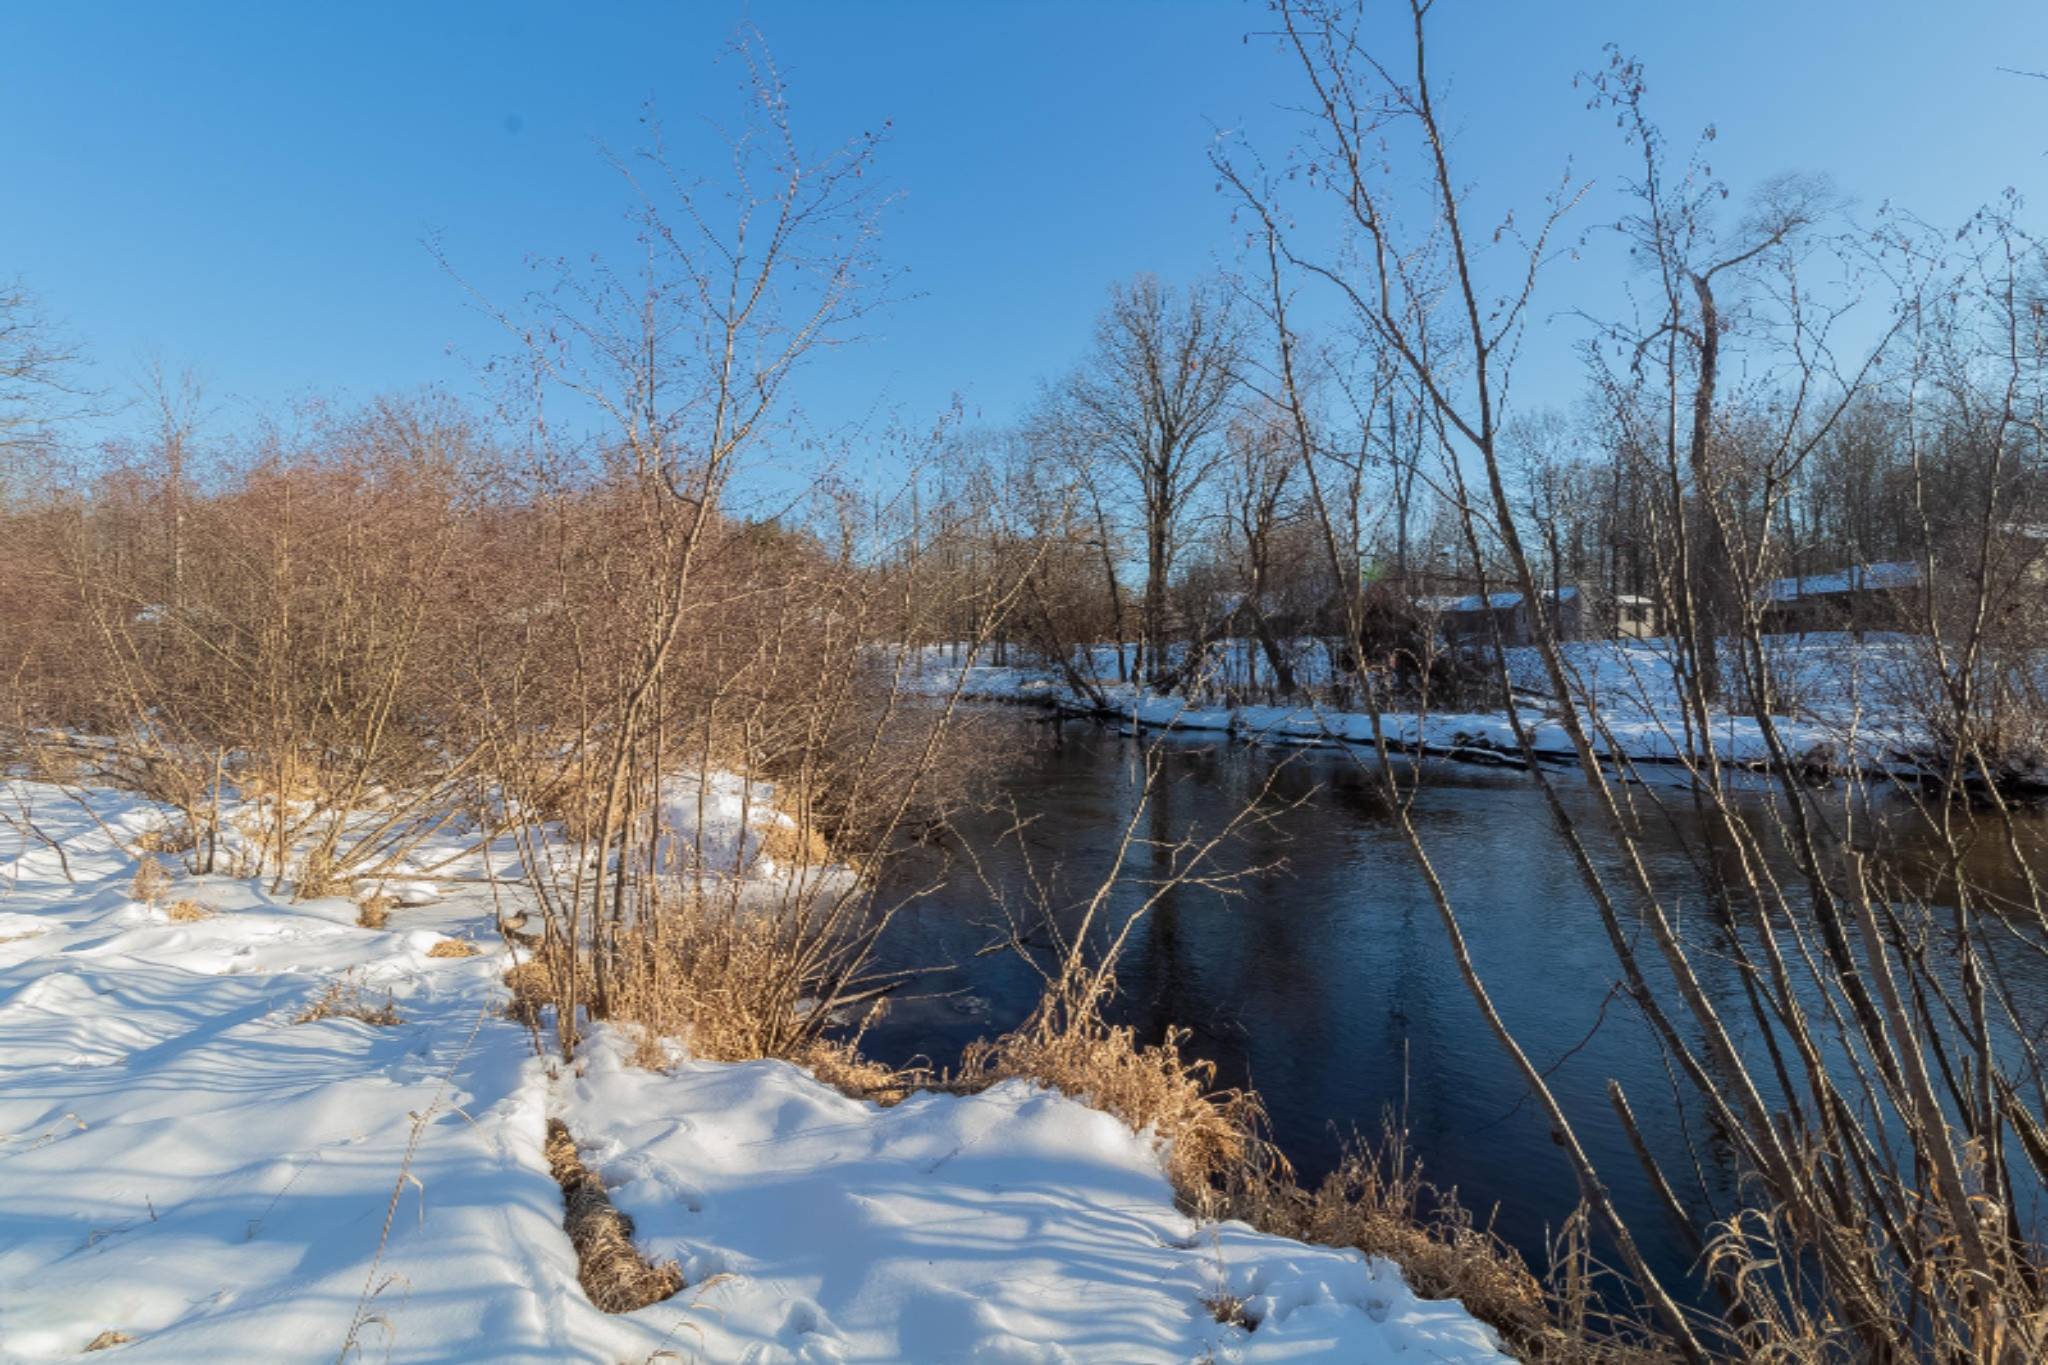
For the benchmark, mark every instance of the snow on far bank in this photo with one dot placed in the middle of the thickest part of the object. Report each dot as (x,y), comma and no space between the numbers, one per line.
(182,1163)
(1841,703)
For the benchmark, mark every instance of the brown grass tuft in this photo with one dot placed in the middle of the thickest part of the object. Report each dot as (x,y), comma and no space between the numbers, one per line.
(1228,1309)
(716,977)
(792,845)
(151,881)
(187,911)
(375,911)
(533,989)
(839,1064)
(345,1000)
(1378,1202)
(318,877)
(166,838)
(454,947)
(108,1338)
(611,1269)
(1213,1136)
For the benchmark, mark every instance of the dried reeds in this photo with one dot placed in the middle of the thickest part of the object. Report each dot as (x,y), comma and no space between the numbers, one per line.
(610,1268)
(345,999)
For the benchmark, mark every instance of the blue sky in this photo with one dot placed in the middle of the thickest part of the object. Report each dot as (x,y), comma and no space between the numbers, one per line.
(245,189)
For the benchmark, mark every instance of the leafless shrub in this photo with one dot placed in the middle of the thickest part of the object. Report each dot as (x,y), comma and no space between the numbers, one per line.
(678,642)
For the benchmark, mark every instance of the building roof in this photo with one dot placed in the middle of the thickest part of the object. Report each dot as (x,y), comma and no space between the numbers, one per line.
(1497,601)
(1856,578)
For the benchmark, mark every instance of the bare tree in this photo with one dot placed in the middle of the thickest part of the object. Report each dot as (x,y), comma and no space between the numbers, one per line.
(39,380)
(1153,398)
(1262,505)
(1693,260)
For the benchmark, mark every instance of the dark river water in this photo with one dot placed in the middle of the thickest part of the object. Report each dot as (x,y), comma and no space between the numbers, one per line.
(1322,976)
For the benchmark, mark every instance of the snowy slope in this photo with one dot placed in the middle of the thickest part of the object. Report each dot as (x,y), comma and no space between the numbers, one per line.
(182,1163)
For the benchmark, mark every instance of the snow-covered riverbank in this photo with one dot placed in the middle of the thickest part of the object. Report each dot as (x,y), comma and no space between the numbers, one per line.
(1841,707)
(185,1165)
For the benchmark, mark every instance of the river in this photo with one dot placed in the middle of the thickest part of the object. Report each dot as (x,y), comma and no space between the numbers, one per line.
(1321,974)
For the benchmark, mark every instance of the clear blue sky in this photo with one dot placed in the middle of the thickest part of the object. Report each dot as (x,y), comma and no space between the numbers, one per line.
(245,189)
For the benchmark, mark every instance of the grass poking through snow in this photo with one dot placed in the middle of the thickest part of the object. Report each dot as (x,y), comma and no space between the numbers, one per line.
(613,1273)
(345,1000)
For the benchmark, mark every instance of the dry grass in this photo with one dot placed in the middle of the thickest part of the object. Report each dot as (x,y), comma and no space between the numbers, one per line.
(1377,1201)
(1222,1166)
(345,1000)
(533,989)
(291,779)
(454,947)
(793,845)
(107,1339)
(707,993)
(789,833)
(187,911)
(839,1064)
(716,977)
(151,881)
(1214,1137)
(1228,1309)
(166,838)
(375,911)
(613,1273)
(319,877)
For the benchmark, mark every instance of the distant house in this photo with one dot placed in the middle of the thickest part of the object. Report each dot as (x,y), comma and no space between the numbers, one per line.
(1858,598)
(1636,618)
(1472,620)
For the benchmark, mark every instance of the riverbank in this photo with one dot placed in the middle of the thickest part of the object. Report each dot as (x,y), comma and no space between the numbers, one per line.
(1842,708)
(242,1128)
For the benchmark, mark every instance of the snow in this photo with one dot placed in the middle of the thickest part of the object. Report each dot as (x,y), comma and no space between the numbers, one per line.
(712,823)
(1495,600)
(1855,578)
(182,1162)
(1845,695)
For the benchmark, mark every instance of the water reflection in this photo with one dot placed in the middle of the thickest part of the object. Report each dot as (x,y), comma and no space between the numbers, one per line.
(1322,976)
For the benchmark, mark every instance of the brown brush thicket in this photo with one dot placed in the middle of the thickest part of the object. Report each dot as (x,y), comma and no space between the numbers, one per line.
(676,657)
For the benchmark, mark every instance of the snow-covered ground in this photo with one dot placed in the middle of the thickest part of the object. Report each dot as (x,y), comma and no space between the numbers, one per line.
(184,1165)
(1841,704)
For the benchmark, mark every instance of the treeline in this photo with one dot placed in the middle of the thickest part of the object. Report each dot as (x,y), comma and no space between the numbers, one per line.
(1207,473)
